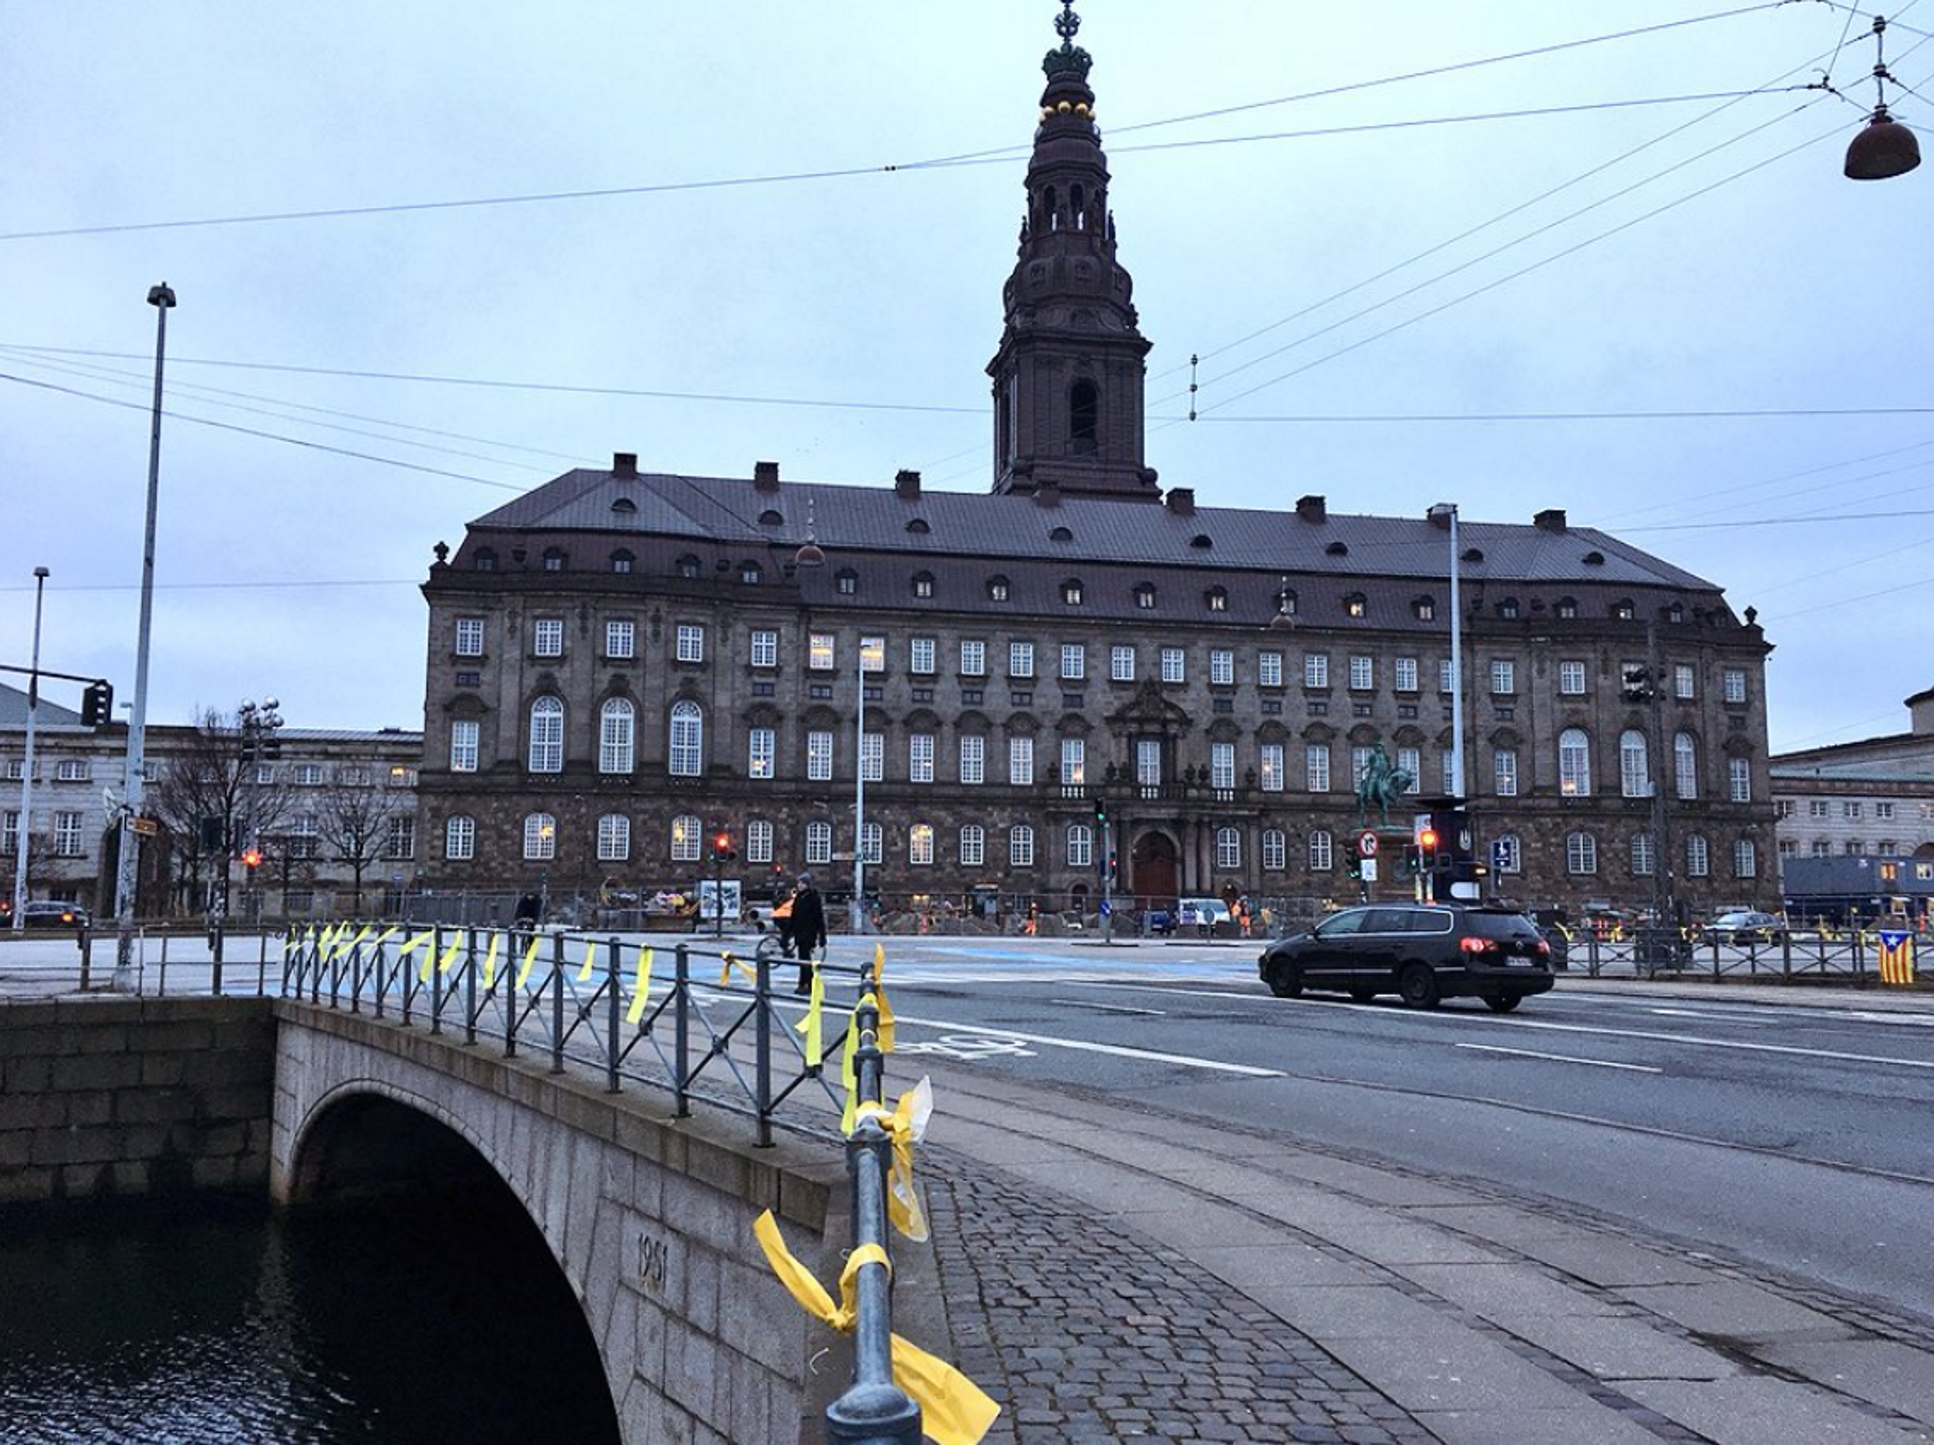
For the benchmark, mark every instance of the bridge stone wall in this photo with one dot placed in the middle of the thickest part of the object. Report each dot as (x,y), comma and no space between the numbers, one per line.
(649,1216)
(103,1096)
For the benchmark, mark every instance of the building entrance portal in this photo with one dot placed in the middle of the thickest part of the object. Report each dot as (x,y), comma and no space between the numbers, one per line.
(1152,871)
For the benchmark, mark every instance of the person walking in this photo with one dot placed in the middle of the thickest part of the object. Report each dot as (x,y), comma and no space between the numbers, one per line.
(808,929)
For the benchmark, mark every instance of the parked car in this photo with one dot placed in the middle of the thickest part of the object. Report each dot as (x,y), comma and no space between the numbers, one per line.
(1423,952)
(1744,925)
(46,913)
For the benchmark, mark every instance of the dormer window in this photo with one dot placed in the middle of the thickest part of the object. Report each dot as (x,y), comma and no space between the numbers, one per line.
(846,582)
(1675,612)
(923,584)
(1623,610)
(625,507)
(622,560)
(688,566)
(1594,559)
(1202,541)
(1286,601)
(553,559)
(1338,549)
(1217,598)
(751,574)
(1424,608)
(1071,593)
(1473,554)
(997,589)
(1356,605)
(918,526)
(1145,596)
(1566,607)
(1061,534)
(1509,609)
(771,518)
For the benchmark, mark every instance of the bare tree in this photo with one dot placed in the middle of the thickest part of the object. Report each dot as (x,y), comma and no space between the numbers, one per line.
(356,824)
(220,794)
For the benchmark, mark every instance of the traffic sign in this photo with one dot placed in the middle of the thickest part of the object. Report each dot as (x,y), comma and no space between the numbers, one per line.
(1366,844)
(145,826)
(1500,854)
(1369,870)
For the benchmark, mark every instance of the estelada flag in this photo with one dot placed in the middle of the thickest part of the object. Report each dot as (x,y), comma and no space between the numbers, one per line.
(1896,957)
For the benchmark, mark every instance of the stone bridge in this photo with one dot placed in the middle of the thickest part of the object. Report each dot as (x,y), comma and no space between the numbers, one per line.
(648,1216)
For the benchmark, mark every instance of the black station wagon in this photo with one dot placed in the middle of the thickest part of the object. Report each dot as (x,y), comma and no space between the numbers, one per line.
(1423,952)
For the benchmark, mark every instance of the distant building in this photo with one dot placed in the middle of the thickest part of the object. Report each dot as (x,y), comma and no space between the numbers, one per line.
(625,665)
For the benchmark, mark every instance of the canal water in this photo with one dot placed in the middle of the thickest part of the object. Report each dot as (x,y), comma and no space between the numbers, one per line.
(383,1324)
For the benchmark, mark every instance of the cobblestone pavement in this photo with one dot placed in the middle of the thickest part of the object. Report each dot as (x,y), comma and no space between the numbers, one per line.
(1091,1333)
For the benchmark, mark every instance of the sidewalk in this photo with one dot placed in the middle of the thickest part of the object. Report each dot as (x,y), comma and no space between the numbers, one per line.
(1110,1276)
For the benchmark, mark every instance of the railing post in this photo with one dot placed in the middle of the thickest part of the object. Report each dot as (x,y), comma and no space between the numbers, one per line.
(379,991)
(512,962)
(262,963)
(681,1031)
(470,986)
(356,978)
(161,979)
(614,1015)
(875,1411)
(762,1034)
(557,1003)
(436,982)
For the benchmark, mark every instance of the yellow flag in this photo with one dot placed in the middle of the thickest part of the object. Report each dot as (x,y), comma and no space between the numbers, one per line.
(490,960)
(641,990)
(524,968)
(813,1024)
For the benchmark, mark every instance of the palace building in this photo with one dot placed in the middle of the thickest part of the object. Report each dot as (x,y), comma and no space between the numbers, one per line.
(1072,679)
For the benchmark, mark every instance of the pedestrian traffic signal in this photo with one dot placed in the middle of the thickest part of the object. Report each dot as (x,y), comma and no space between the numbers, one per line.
(1413,859)
(97,705)
(1354,862)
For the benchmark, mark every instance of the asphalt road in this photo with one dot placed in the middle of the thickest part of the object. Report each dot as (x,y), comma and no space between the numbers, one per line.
(1797,1138)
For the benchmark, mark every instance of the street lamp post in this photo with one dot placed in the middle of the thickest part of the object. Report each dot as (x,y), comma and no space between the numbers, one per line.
(23,831)
(163,300)
(1447,511)
(856,914)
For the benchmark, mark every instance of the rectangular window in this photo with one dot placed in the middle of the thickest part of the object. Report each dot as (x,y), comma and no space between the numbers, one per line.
(821,652)
(872,844)
(1816,808)
(1148,761)
(1444,678)
(67,835)
(1363,673)
(463,745)
(614,838)
(973,659)
(1020,761)
(1020,659)
(1269,669)
(762,746)
(920,758)
(1699,857)
(1504,772)
(1745,859)
(1272,767)
(1411,761)
(1316,767)
(691,642)
(1571,679)
(309,775)
(1222,765)
(1121,664)
(973,846)
(1739,780)
(973,759)
(1222,667)
(819,757)
(872,757)
(1504,677)
(1733,683)
(620,640)
(547,637)
(1406,674)
(460,838)
(470,637)
(1074,661)
(1172,664)
(1682,680)
(1074,761)
(1883,811)
(922,656)
(1316,669)
(872,653)
(765,648)
(758,841)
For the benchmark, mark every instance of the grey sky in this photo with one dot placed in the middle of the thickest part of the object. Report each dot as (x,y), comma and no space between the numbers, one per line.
(291,570)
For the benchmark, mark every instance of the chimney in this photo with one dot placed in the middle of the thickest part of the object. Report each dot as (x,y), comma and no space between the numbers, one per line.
(624,465)
(1312,509)
(765,476)
(1180,500)
(1551,519)
(906,484)
(1047,495)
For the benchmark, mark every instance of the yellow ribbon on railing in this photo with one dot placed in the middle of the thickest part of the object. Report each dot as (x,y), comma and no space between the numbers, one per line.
(641,990)
(729,961)
(385,936)
(813,1025)
(346,942)
(444,964)
(905,1126)
(530,957)
(490,959)
(415,943)
(879,994)
(953,1409)
(590,957)
(849,1077)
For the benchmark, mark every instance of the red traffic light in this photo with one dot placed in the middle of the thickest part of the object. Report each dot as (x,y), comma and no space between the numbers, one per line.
(252,858)
(723,842)
(1427,840)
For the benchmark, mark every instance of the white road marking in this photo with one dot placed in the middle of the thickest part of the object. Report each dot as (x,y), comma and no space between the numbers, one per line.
(1113,1008)
(1083,1046)
(1561,1058)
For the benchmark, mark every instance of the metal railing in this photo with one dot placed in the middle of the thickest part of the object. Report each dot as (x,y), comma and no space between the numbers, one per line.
(715,1030)
(1849,957)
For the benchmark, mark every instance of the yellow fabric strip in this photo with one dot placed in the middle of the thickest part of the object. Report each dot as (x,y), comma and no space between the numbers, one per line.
(524,968)
(384,937)
(729,961)
(415,943)
(490,960)
(813,1024)
(443,965)
(848,1075)
(641,990)
(590,956)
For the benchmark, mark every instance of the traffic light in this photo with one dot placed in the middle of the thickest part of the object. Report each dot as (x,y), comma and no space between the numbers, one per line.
(97,705)
(251,858)
(1413,859)
(1101,812)
(722,846)
(1354,862)
(1427,846)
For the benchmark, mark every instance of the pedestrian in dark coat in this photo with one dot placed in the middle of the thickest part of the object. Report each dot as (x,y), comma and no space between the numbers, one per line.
(808,929)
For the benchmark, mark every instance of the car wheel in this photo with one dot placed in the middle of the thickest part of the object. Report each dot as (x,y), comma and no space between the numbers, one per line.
(1418,985)
(1285,981)
(1362,994)
(1502,1003)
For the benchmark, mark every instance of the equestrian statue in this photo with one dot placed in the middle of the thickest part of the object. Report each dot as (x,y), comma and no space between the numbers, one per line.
(1381,784)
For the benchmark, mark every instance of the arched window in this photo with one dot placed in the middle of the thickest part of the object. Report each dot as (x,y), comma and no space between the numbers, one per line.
(688,566)
(617,736)
(1081,846)
(920,845)
(819,842)
(1645,856)
(460,837)
(1020,846)
(553,559)
(1698,857)
(1145,596)
(1228,848)
(1322,852)
(1275,850)
(1084,418)
(1685,765)
(973,846)
(1634,770)
(1745,859)
(622,560)
(547,736)
(685,835)
(540,837)
(1581,853)
(687,759)
(614,838)
(1574,763)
